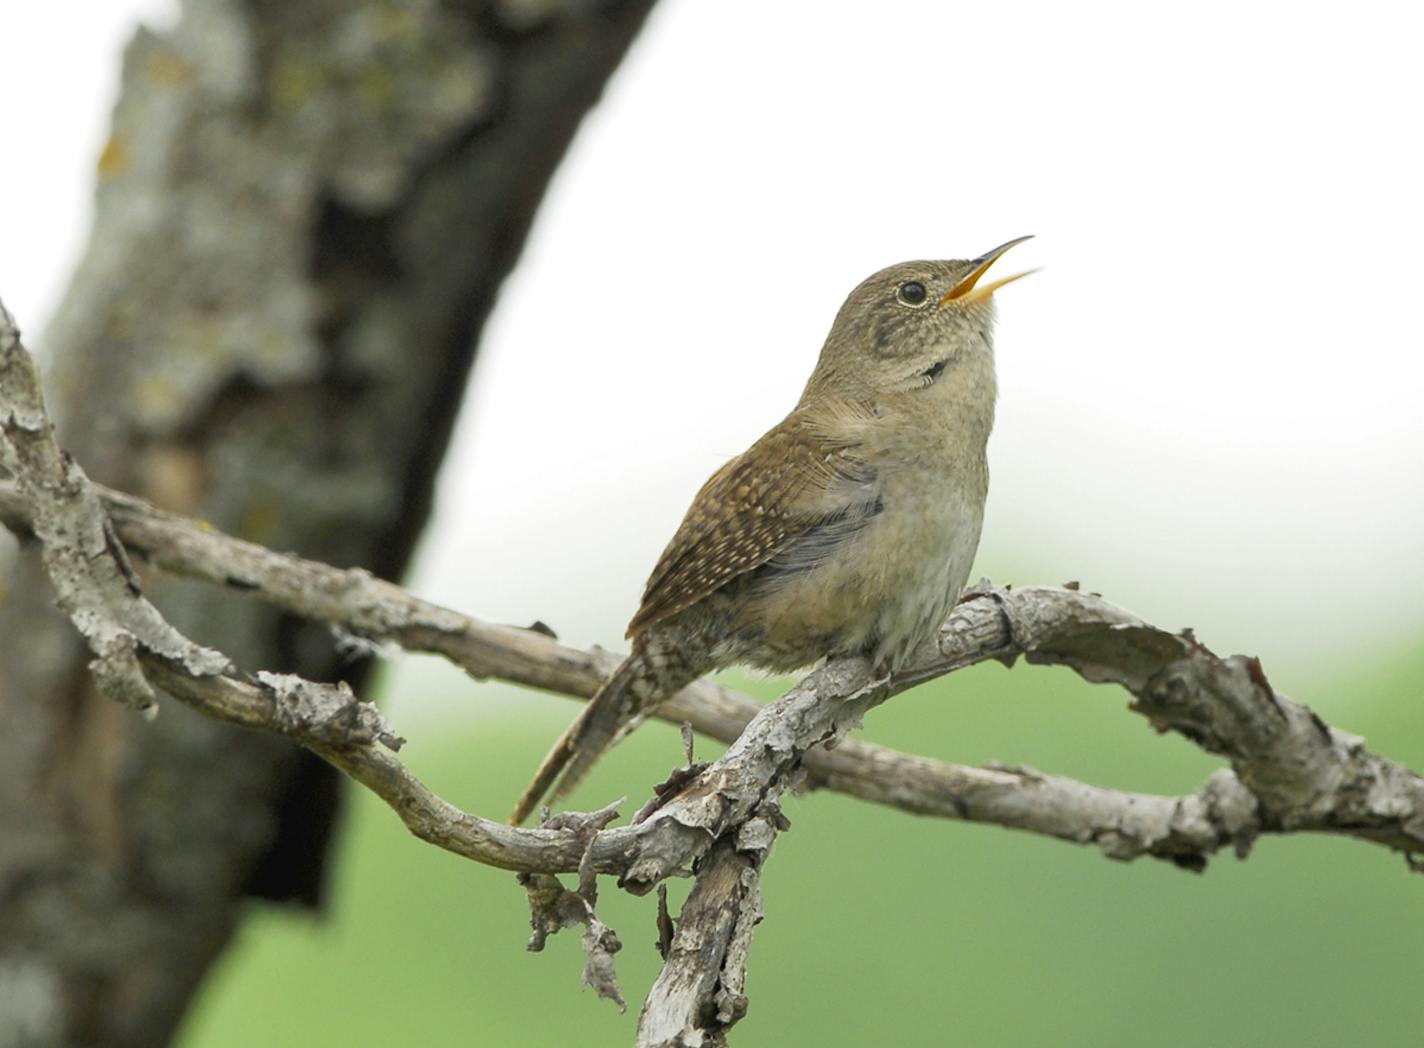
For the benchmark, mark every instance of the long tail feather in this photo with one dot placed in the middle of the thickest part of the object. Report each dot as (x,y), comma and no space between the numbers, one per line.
(636,686)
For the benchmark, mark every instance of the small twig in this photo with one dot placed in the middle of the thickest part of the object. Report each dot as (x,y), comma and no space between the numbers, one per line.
(553,907)
(666,928)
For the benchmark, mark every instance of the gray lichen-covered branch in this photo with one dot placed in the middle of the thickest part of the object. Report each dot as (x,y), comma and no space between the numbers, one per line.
(1047,625)
(93,581)
(1289,770)
(698,994)
(1125,825)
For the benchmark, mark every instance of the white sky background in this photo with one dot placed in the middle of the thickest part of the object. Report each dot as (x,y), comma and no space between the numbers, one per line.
(1210,400)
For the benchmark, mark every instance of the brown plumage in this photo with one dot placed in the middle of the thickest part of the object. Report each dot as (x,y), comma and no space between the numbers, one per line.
(746,513)
(850,526)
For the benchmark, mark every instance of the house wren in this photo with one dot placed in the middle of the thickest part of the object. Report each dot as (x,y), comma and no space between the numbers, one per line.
(850,527)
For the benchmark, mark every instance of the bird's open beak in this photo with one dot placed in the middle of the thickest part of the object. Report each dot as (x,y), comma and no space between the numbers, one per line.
(966,291)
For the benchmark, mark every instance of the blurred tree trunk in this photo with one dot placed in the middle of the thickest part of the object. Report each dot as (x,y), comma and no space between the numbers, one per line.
(305,211)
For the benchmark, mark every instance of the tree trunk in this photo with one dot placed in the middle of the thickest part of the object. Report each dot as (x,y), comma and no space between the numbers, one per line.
(305,210)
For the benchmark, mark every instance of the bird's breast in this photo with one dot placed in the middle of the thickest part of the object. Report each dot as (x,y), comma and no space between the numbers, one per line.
(886,586)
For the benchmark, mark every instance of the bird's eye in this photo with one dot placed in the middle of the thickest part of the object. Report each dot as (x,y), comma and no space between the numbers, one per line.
(911,293)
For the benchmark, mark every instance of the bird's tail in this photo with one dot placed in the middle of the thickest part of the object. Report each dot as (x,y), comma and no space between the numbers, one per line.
(637,686)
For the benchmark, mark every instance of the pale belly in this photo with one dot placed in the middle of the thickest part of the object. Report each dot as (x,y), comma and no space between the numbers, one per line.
(882,591)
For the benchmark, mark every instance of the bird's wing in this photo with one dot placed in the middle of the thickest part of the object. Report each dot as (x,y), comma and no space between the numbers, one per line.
(791,484)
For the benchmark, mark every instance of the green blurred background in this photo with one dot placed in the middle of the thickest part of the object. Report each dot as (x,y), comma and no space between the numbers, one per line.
(881,928)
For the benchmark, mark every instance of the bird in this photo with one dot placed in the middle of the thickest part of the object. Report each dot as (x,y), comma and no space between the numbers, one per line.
(849,527)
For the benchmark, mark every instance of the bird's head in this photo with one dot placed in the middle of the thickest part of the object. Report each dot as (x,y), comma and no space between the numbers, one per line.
(912,326)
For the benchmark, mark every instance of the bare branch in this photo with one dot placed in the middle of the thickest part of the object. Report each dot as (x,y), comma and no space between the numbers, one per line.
(990,624)
(373,608)
(134,645)
(1303,774)
(338,727)
(94,583)
(698,994)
